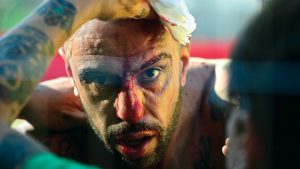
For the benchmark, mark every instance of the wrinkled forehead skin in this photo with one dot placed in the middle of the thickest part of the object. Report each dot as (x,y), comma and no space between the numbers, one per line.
(121,38)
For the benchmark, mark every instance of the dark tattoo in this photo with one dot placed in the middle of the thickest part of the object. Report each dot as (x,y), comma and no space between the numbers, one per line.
(205,153)
(62,144)
(80,144)
(58,13)
(23,58)
(142,14)
(219,108)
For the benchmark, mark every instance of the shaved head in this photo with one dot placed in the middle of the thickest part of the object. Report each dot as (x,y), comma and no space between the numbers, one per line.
(129,75)
(97,37)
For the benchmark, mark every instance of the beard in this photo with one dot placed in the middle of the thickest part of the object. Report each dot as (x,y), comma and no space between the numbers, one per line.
(152,160)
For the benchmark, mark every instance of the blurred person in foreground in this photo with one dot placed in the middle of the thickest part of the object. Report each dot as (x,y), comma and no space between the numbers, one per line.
(265,81)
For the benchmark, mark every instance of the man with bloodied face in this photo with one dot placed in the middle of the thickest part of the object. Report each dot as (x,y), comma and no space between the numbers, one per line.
(130,86)
(130,80)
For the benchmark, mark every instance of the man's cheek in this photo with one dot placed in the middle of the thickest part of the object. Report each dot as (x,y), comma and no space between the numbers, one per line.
(97,107)
(104,111)
(155,107)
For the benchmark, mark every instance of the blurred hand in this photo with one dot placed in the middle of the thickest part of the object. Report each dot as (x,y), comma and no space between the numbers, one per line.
(53,106)
(226,147)
(123,9)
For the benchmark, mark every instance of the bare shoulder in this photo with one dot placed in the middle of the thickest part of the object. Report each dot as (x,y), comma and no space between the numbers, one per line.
(201,70)
(198,61)
(199,73)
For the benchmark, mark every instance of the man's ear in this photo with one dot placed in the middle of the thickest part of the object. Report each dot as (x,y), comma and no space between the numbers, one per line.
(61,52)
(185,58)
(75,90)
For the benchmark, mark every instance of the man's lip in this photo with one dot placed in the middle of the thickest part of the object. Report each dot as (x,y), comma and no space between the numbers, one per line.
(133,136)
(134,151)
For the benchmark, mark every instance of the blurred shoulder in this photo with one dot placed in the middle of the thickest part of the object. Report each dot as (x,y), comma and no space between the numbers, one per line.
(203,69)
(204,75)
(199,63)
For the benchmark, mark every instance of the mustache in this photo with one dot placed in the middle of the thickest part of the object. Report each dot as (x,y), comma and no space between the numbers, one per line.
(125,128)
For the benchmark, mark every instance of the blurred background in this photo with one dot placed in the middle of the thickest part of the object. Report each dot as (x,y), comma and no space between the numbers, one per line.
(219,23)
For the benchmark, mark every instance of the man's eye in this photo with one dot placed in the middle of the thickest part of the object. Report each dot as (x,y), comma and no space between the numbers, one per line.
(101,80)
(149,75)
(97,80)
(107,81)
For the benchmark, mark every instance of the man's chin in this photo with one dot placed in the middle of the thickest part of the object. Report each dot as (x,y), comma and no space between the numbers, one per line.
(141,154)
(137,145)
(150,161)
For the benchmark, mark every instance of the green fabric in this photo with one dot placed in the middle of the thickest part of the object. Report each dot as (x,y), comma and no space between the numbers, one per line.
(13,11)
(50,161)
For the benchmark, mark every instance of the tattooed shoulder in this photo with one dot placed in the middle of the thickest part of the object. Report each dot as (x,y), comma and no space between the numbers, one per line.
(24,56)
(58,13)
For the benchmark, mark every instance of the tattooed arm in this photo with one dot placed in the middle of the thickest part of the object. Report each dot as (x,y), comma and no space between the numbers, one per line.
(26,51)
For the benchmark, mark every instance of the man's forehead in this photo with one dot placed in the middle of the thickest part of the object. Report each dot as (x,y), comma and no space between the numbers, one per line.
(122,38)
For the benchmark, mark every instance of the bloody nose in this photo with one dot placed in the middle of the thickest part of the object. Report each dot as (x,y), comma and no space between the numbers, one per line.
(128,106)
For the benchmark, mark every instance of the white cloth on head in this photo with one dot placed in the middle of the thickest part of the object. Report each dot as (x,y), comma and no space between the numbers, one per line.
(176,17)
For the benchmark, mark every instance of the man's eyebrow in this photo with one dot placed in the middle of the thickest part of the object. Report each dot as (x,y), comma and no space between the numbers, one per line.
(161,56)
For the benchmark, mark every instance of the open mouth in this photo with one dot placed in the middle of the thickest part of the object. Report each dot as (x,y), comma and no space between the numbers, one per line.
(137,144)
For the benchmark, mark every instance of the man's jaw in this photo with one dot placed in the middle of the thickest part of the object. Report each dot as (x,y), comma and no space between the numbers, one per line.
(138,144)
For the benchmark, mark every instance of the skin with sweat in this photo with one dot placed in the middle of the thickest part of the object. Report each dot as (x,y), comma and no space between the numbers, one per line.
(131,80)
(129,85)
